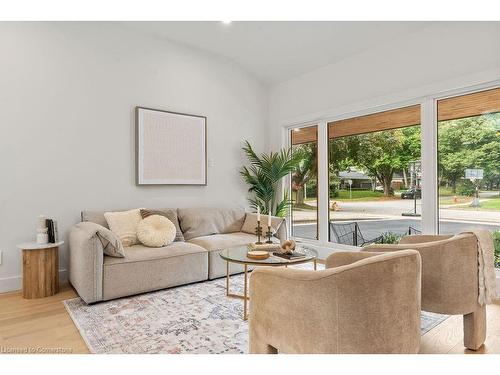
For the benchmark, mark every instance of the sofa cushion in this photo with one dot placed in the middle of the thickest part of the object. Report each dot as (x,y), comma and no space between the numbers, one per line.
(95,217)
(250,223)
(141,253)
(223,241)
(146,269)
(197,222)
(170,214)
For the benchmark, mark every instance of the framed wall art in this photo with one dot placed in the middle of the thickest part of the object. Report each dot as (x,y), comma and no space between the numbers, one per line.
(171,148)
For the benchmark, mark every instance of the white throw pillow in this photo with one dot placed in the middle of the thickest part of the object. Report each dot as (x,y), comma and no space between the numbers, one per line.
(156,231)
(124,225)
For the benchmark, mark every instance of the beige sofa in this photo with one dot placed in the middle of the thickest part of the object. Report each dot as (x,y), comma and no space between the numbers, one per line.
(207,231)
(362,303)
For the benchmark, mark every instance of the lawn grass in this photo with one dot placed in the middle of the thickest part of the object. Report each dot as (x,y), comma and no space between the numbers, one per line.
(361,195)
(446,200)
(357,196)
(446,192)
(304,206)
(490,204)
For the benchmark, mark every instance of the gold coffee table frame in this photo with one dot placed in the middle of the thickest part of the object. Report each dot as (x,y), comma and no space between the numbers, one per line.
(237,255)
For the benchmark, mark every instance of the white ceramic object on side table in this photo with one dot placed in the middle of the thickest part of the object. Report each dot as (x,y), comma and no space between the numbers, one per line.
(42,236)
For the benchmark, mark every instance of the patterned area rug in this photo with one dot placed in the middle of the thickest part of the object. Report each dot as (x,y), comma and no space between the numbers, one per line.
(196,318)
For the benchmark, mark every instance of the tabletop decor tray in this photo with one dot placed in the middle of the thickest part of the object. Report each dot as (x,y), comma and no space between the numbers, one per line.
(292,256)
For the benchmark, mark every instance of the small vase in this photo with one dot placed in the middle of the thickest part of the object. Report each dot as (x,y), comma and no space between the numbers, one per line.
(42,238)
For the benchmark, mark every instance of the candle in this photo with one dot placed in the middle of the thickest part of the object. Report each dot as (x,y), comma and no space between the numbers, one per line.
(258,213)
(269,216)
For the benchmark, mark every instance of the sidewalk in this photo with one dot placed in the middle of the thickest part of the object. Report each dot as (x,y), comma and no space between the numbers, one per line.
(306,216)
(311,216)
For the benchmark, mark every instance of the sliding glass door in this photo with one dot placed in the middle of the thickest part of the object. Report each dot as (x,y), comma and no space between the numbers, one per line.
(304,183)
(469,162)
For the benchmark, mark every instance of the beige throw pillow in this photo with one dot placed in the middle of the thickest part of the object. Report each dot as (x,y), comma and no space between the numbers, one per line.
(156,231)
(250,223)
(170,214)
(124,225)
(204,221)
(111,245)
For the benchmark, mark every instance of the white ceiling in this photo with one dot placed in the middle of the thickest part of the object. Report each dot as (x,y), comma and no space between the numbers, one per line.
(277,51)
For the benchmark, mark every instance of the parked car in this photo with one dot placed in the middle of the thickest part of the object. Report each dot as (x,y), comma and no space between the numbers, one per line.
(379,188)
(412,193)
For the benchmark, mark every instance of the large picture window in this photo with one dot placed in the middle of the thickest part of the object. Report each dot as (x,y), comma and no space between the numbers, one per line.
(374,176)
(469,162)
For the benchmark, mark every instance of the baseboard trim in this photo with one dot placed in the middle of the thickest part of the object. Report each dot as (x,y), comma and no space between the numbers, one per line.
(14,283)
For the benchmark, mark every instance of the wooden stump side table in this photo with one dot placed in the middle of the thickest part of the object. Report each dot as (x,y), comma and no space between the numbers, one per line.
(40,269)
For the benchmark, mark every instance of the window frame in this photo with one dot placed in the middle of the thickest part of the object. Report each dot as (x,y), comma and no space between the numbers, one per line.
(429,140)
(318,183)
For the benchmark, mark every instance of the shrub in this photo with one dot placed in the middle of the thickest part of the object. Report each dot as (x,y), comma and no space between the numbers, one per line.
(496,242)
(466,189)
(389,238)
(334,191)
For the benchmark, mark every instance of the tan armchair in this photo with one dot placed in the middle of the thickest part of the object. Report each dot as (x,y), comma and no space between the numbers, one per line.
(362,303)
(449,279)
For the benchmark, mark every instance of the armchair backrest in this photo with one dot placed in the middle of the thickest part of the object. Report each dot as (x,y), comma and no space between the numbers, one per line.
(449,270)
(377,299)
(363,306)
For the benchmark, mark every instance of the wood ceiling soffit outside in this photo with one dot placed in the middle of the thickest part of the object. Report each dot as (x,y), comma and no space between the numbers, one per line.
(393,119)
(304,135)
(468,105)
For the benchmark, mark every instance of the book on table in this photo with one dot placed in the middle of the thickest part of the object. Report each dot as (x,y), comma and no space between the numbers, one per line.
(292,256)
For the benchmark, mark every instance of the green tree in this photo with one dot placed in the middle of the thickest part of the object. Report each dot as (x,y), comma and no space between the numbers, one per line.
(306,169)
(379,154)
(465,143)
(383,153)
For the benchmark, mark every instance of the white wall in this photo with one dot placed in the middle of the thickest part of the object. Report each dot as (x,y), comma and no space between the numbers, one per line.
(67,95)
(440,57)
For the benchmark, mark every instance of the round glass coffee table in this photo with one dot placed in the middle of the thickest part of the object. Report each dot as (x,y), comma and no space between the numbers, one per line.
(238,254)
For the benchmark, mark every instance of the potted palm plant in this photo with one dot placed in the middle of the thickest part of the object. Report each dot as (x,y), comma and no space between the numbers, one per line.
(264,175)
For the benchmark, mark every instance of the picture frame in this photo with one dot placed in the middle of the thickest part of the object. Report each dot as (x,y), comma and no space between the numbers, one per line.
(170,148)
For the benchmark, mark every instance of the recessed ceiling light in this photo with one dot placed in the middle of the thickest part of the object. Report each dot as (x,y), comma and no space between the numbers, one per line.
(226,22)
(296,130)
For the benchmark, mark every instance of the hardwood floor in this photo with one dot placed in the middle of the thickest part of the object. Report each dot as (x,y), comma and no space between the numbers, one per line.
(39,323)
(44,323)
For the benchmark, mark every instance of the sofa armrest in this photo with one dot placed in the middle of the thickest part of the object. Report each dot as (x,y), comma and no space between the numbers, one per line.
(86,264)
